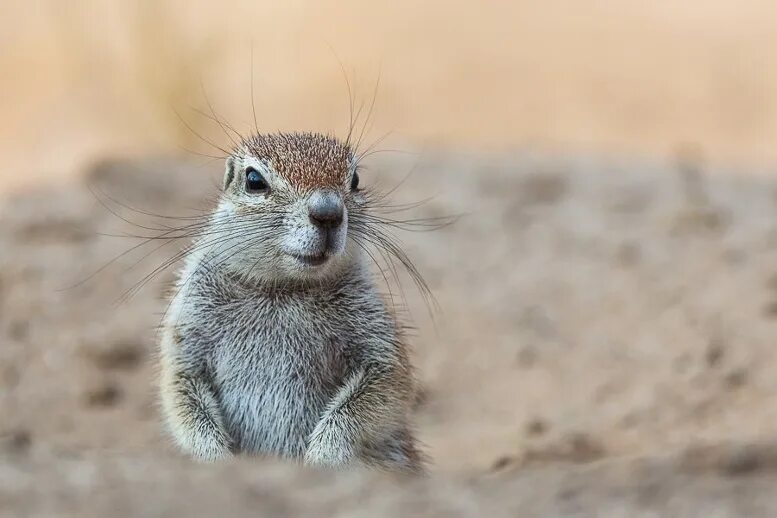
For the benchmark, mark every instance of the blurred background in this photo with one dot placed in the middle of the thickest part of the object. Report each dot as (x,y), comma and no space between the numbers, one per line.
(608,301)
(85,78)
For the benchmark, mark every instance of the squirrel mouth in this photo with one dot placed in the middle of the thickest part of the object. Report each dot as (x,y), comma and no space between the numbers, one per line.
(311,260)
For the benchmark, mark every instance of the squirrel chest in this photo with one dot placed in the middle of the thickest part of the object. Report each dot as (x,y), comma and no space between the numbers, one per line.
(274,365)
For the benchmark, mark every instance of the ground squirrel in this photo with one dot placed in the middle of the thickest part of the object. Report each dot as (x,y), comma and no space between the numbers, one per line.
(277,340)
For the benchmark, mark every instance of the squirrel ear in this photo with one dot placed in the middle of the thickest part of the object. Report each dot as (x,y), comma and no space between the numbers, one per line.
(229,174)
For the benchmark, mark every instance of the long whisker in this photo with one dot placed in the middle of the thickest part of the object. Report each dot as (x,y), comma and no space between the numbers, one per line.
(217,119)
(253,105)
(197,245)
(223,123)
(351,121)
(198,135)
(367,120)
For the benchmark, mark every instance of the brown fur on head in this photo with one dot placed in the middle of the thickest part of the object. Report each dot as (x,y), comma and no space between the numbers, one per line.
(306,161)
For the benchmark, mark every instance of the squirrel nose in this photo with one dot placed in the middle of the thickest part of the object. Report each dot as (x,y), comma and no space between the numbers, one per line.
(325,209)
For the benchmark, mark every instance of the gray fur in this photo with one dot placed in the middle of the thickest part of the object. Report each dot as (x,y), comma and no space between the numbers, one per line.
(261,355)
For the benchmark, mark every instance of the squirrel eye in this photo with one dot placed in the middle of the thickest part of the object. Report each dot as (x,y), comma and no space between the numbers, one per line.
(355,181)
(255,182)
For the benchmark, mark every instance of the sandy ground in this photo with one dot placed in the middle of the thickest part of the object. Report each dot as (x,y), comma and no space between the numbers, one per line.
(604,346)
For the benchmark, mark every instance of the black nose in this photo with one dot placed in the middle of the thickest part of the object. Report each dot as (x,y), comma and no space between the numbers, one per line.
(325,209)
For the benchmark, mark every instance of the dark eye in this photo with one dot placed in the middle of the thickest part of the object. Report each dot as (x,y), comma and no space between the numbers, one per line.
(355,181)
(255,182)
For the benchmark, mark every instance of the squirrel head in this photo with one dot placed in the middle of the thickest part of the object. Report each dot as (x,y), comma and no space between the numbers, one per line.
(289,205)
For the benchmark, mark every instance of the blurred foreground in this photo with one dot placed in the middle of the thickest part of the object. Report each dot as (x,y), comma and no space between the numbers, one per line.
(605,346)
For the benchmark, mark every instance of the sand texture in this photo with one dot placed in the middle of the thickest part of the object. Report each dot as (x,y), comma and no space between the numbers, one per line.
(604,345)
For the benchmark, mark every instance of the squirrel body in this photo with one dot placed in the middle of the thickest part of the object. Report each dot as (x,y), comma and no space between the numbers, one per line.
(277,340)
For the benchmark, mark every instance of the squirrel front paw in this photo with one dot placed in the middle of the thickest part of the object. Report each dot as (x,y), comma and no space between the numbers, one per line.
(329,446)
(212,452)
(207,447)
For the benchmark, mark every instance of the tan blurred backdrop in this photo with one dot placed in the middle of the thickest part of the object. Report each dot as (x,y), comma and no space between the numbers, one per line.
(81,80)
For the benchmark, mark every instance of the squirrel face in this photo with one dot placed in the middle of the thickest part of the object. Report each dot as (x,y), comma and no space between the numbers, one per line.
(284,212)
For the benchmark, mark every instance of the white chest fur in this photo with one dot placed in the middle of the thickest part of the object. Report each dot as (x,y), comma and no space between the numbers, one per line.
(274,376)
